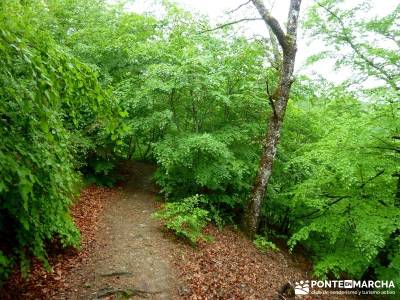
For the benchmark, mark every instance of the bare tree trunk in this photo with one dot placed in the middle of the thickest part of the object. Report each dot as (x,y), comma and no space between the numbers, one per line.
(278,101)
(397,193)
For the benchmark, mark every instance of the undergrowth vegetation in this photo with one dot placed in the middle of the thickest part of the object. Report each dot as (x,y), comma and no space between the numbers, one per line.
(186,218)
(85,84)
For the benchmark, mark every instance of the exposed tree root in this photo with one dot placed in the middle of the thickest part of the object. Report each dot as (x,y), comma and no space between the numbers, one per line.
(124,293)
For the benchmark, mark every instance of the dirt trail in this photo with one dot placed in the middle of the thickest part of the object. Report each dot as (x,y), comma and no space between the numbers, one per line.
(132,252)
(126,250)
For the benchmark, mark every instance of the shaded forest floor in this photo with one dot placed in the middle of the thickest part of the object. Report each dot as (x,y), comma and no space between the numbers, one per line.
(128,255)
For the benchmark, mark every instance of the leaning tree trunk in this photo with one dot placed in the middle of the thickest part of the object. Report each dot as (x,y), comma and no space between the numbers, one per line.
(278,101)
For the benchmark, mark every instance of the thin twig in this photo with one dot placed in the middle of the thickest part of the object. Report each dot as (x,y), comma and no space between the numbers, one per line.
(231,23)
(272,5)
(372,178)
(327,206)
(126,292)
(116,274)
(387,77)
(239,7)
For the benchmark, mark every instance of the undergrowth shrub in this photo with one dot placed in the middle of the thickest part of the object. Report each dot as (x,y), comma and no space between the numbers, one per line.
(203,164)
(5,263)
(101,171)
(186,218)
(263,244)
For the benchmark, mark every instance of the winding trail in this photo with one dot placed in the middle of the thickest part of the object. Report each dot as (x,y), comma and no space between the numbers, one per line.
(131,250)
(129,255)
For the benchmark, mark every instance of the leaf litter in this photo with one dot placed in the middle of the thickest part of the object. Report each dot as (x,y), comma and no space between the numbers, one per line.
(229,267)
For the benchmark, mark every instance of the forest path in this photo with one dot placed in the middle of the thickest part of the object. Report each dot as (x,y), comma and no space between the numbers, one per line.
(132,252)
(124,249)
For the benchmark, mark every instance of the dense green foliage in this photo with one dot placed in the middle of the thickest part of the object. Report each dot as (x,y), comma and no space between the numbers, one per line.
(345,205)
(100,84)
(49,105)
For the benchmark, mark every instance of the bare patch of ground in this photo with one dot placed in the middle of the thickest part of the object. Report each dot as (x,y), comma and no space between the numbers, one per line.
(42,284)
(133,255)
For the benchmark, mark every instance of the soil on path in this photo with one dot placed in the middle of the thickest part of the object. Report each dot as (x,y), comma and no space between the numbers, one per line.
(124,249)
(131,252)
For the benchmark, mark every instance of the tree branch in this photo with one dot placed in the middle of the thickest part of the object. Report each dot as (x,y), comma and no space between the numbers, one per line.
(272,23)
(270,99)
(239,7)
(231,23)
(275,49)
(388,148)
(372,178)
(293,17)
(337,199)
(381,71)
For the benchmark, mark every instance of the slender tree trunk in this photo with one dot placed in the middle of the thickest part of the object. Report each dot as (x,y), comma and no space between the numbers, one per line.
(173,109)
(278,101)
(397,193)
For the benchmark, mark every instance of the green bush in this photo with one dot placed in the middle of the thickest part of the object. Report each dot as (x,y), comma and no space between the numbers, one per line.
(185,218)
(203,164)
(5,264)
(263,244)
